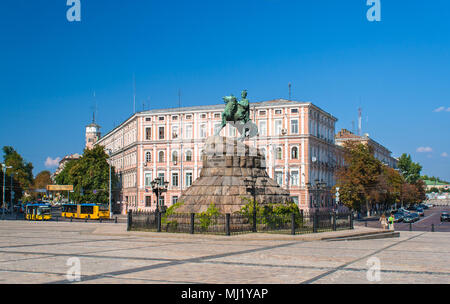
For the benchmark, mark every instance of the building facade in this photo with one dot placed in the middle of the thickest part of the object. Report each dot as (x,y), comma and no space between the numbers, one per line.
(297,138)
(380,152)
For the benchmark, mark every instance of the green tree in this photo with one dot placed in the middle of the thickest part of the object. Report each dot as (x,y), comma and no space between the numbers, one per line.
(409,169)
(22,170)
(89,176)
(360,182)
(42,179)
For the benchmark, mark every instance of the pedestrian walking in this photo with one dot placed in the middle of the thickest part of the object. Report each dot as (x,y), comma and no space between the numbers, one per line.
(383,221)
(391,221)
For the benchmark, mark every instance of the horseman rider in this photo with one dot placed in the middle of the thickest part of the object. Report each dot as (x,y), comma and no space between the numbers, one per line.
(244,107)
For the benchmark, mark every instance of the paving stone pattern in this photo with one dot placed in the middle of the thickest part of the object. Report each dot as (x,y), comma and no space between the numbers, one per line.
(37,252)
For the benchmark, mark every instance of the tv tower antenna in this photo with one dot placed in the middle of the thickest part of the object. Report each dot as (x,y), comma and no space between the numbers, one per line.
(359,121)
(289,85)
(94,109)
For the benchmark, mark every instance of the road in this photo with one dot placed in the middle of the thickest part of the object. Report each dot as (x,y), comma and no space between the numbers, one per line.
(432,216)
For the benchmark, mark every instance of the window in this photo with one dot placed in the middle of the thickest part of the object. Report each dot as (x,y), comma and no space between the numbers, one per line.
(279,177)
(175,156)
(161,118)
(262,113)
(202,131)
(294,126)
(175,132)
(148,157)
(174,200)
(188,179)
(161,156)
(148,201)
(162,176)
(294,178)
(175,179)
(263,128)
(174,117)
(188,116)
(188,131)
(278,126)
(294,153)
(279,153)
(148,133)
(203,116)
(148,119)
(294,110)
(161,132)
(188,155)
(148,179)
(217,115)
(278,112)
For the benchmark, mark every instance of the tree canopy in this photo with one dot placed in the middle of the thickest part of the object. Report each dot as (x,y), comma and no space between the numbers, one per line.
(22,170)
(365,181)
(409,169)
(89,176)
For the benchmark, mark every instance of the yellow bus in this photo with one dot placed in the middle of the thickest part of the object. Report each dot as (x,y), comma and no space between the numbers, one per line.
(83,211)
(38,212)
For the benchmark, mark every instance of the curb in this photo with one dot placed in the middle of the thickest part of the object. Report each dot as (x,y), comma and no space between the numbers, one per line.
(366,236)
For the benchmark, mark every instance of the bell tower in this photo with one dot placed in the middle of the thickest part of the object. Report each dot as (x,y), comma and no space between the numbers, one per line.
(92,133)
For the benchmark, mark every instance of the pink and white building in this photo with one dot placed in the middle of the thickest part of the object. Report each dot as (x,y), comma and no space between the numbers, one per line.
(298,139)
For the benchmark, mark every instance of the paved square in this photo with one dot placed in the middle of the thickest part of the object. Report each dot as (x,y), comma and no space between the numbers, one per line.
(37,252)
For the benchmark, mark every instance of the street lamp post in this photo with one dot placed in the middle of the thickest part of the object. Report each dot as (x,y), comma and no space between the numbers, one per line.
(158,187)
(250,184)
(4,167)
(110,201)
(12,191)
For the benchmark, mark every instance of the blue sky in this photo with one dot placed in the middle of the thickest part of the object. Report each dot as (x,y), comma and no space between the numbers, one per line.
(396,70)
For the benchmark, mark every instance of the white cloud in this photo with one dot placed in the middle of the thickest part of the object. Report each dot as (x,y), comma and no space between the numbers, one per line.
(444,154)
(49,162)
(442,109)
(424,149)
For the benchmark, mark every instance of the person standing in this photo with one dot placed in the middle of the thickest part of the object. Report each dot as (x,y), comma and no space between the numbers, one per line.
(391,222)
(383,221)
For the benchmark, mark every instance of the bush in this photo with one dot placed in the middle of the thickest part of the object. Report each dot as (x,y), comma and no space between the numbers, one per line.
(272,215)
(169,212)
(208,217)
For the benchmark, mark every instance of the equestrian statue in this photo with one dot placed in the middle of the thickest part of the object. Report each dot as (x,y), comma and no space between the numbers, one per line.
(237,114)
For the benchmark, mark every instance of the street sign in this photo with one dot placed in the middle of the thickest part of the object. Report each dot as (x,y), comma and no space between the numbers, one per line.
(59,187)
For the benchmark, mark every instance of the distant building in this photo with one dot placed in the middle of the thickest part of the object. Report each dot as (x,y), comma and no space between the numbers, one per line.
(434,184)
(380,152)
(62,164)
(92,134)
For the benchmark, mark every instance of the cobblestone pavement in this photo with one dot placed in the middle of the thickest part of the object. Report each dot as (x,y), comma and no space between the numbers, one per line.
(38,252)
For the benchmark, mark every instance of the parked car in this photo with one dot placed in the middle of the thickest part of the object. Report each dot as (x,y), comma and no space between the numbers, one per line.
(6,211)
(410,218)
(445,217)
(423,206)
(420,211)
(398,217)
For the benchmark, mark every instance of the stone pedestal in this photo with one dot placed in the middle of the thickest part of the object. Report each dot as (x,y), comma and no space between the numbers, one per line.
(226,164)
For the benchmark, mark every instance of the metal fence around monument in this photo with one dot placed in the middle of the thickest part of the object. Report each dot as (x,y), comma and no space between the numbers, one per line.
(232,224)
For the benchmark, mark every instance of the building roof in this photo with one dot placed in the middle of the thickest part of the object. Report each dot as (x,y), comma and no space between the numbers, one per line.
(344,135)
(433,183)
(219,107)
